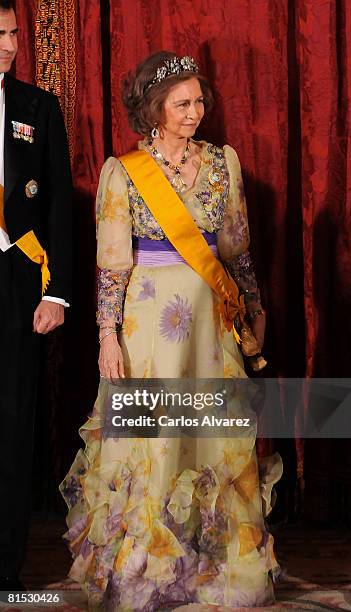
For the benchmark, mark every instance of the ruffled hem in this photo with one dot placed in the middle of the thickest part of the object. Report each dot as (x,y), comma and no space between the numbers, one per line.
(204,541)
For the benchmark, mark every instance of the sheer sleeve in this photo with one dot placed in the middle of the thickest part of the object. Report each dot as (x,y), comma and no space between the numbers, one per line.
(234,238)
(114,243)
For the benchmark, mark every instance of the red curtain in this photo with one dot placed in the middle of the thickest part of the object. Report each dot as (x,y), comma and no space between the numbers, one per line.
(323,50)
(242,48)
(25,62)
(280,70)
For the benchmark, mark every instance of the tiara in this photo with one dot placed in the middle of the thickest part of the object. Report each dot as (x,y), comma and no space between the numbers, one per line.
(176,65)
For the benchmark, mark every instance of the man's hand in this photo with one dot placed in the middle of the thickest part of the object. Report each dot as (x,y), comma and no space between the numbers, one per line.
(48,316)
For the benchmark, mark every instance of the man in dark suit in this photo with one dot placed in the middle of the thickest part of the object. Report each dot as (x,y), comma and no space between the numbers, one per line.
(35,222)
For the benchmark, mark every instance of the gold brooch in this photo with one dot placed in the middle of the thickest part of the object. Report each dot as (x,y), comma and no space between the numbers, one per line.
(31,189)
(216,178)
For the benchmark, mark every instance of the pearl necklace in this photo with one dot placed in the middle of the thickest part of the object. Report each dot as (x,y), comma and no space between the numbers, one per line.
(177,181)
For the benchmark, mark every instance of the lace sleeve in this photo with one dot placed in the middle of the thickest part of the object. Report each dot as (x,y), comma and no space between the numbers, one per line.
(111,292)
(234,238)
(114,243)
(242,270)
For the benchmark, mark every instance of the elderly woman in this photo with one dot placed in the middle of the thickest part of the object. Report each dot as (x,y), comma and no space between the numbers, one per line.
(156,523)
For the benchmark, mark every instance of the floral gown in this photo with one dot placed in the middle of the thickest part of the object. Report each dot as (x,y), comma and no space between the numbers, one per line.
(156,523)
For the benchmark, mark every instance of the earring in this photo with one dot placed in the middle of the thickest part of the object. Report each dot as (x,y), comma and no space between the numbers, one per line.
(154,132)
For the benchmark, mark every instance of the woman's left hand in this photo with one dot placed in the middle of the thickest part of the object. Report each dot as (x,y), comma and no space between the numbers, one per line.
(258,326)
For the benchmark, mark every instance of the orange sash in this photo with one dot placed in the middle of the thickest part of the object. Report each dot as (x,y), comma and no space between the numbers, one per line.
(182,231)
(30,246)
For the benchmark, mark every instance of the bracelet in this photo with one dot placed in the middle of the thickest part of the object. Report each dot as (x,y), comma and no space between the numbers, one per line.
(255,313)
(105,336)
(108,327)
(252,295)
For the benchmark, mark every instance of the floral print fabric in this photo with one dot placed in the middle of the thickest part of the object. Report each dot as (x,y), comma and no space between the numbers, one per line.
(216,201)
(111,291)
(160,522)
(156,523)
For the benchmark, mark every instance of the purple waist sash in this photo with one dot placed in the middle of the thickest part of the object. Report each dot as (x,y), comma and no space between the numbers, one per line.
(149,252)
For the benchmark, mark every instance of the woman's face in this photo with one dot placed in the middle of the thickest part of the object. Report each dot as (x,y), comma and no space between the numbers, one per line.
(183,109)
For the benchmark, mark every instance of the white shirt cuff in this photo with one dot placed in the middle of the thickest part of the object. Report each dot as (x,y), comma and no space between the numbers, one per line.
(5,243)
(47,298)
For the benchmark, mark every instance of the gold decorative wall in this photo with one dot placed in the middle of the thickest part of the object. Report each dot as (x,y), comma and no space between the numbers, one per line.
(56,55)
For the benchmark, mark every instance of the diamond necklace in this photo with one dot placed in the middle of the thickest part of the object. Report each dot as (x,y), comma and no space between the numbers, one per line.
(177,181)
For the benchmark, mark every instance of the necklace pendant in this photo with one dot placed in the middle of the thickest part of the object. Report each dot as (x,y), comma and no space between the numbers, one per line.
(178,183)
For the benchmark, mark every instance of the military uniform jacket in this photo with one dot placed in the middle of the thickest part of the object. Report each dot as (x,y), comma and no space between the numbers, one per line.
(45,164)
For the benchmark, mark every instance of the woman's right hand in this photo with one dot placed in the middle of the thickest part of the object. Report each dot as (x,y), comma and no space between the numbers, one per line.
(110,359)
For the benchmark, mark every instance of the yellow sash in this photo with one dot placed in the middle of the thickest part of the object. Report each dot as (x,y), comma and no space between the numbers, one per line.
(30,246)
(182,231)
